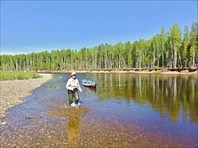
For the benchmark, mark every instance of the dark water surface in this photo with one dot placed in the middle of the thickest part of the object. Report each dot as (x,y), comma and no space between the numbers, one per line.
(124,110)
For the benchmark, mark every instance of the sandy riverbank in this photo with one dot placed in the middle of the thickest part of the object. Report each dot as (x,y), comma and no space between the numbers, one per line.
(168,72)
(13,92)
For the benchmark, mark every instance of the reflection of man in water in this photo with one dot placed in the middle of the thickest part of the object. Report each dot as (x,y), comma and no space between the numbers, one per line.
(73,129)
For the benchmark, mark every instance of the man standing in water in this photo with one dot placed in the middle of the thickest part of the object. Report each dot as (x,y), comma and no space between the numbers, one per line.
(73,86)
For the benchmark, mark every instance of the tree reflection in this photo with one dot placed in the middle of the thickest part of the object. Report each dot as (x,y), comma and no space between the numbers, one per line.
(169,94)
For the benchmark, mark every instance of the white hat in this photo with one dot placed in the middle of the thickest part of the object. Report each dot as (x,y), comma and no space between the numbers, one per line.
(73,73)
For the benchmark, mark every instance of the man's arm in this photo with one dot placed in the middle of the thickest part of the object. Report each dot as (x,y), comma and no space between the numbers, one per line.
(80,89)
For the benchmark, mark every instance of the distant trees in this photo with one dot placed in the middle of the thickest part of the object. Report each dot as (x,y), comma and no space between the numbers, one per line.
(193,45)
(172,49)
(175,44)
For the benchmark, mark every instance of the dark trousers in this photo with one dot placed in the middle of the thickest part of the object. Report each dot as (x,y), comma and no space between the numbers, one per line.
(73,96)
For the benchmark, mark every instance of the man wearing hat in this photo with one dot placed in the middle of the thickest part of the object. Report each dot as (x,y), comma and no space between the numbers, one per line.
(73,86)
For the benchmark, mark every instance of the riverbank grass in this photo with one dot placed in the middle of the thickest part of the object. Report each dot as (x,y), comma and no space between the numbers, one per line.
(11,75)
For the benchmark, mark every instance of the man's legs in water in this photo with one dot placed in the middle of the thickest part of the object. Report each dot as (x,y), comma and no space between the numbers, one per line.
(70,95)
(76,97)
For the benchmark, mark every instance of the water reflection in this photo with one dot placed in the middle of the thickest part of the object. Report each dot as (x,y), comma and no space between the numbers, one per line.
(73,130)
(172,95)
(89,90)
(73,123)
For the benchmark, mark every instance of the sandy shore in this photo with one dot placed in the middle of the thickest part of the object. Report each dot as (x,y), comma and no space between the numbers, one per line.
(13,92)
(167,72)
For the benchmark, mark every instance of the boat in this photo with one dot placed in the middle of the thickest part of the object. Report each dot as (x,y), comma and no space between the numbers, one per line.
(88,83)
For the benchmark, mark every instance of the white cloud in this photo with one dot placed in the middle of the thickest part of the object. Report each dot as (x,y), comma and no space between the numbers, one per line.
(11,53)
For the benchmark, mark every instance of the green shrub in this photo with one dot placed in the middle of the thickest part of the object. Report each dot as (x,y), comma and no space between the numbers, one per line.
(12,75)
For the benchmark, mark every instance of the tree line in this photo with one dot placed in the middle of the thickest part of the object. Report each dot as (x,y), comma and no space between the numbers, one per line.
(168,49)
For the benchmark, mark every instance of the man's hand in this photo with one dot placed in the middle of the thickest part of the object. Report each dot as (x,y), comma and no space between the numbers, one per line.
(75,89)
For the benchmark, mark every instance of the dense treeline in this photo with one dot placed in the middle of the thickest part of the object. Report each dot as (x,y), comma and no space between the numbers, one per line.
(172,49)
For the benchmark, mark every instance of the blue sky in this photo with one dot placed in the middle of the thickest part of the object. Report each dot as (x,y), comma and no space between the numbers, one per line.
(28,26)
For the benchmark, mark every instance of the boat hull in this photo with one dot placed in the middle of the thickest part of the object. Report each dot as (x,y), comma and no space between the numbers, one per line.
(89,85)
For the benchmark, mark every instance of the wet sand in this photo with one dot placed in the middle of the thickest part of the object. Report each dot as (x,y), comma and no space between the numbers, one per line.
(13,92)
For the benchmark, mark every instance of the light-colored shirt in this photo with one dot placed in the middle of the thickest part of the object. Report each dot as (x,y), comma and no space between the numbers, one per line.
(72,84)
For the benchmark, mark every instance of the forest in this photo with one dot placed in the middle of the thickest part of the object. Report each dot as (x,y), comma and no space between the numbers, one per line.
(173,49)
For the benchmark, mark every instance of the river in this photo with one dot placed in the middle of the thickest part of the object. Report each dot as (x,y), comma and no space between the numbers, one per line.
(125,110)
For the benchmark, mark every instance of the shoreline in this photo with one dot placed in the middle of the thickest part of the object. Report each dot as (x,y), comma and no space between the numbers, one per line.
(14,92)
(161,72)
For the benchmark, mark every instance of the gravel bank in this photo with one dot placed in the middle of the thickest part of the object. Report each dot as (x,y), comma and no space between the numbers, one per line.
(13,92)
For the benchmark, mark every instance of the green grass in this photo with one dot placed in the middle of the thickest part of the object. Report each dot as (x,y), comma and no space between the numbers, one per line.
(11,75)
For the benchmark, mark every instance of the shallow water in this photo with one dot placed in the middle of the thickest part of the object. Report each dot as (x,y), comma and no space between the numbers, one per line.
(124,110)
